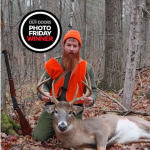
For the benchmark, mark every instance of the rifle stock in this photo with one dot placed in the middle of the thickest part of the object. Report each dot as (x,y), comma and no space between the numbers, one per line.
(25,127)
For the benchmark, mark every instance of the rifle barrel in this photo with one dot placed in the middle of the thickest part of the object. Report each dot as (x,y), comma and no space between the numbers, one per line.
(7,63)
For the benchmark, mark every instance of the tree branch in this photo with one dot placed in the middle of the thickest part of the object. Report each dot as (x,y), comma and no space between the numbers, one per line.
(104,94)
(125,111)
(120,112)
(147,11)
(140,79)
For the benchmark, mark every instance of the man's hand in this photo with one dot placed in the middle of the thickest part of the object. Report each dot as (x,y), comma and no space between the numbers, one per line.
(87,101)
(45,98)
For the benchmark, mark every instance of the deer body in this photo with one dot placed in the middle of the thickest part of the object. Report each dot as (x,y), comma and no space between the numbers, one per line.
(97,132)
(76,137)
(79,133)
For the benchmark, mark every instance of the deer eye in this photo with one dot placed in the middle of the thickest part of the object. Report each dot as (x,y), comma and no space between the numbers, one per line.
(69,111)
(56,111)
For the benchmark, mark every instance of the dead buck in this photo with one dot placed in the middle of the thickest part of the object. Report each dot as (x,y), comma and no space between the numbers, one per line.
(94,133)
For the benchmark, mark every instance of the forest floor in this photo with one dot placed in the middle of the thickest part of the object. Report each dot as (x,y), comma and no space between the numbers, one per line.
(104,104)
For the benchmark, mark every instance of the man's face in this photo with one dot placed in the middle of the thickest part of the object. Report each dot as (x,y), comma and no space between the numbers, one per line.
(71,46)
(71,54)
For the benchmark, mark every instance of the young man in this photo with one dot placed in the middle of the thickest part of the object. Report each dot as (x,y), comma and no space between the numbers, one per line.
(65,89)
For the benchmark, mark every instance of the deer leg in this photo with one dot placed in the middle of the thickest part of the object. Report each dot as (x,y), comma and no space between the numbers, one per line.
(87,149)
(101,140)
(145,135)
(101,148)
(112,141)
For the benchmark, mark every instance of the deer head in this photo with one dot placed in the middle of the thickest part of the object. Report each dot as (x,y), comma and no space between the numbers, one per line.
(63,110)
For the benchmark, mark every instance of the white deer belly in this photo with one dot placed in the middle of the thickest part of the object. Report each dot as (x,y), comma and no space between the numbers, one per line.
(127,131)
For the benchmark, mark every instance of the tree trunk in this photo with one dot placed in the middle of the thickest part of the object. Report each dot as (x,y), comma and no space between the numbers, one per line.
(144,37)
(10,11)
(84,32)
(113,46)
(3,81)
(25,62)
(71,14)
(35,68)
(19,6)
(133,51)
(147,28)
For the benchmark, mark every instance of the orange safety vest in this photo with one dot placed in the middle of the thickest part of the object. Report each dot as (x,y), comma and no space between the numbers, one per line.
(54,69)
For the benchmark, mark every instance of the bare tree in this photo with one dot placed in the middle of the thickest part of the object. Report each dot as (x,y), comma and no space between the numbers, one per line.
(133,51)
(144,35)
(71,14)
(84,32)
(113,45)
(10,13)
(3,81)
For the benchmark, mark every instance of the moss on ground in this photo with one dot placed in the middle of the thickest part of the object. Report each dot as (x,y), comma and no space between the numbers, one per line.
(8,125)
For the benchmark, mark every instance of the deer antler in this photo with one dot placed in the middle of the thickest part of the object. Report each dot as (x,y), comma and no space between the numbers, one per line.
(41,82)
(88,91)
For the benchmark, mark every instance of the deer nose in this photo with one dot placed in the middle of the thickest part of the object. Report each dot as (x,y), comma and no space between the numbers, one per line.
(62,127)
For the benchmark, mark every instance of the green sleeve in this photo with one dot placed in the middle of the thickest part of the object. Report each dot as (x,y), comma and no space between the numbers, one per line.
(94,94)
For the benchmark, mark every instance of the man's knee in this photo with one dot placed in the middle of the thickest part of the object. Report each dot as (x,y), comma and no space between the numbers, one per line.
(42,137)
(44,128)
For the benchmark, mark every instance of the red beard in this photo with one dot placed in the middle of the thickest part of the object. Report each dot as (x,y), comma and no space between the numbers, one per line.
(70,63)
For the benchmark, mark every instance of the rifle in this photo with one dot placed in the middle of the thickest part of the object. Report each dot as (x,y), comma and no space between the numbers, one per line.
(25,127)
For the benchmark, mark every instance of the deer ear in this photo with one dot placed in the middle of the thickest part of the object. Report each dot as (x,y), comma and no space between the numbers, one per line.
(77,109)
(49,108)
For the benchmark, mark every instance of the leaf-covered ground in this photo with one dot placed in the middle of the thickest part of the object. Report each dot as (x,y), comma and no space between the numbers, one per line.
(32,106)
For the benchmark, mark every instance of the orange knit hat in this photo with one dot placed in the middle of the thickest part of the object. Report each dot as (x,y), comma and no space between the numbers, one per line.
(73,34)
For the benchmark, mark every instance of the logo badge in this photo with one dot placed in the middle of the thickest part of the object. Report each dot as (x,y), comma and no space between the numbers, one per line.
(40,31)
